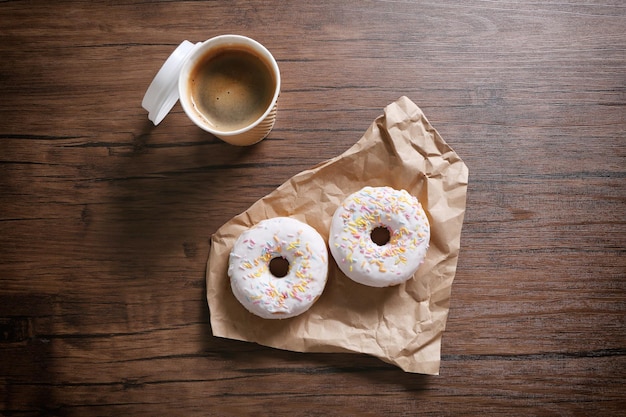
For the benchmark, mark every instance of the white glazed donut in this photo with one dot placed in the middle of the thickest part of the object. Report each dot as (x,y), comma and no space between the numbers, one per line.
(379,236)
(278,268)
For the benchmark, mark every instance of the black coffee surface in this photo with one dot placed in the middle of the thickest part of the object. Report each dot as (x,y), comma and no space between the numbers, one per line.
(232,88)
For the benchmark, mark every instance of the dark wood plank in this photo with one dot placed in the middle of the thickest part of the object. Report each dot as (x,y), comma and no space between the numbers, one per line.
(105,220)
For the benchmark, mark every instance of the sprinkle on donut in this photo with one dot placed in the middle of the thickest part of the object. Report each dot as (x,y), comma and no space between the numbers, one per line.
(260,286)
(357,227)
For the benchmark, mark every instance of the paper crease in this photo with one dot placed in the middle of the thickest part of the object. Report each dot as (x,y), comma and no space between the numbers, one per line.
(402,325)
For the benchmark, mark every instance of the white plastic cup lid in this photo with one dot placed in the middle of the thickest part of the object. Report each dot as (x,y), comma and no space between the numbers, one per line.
(162,94)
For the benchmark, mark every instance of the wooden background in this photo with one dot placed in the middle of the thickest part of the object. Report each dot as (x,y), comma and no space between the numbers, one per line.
(105,220)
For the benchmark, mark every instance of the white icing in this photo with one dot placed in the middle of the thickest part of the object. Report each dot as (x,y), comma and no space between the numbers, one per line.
(254,285)
(366,262)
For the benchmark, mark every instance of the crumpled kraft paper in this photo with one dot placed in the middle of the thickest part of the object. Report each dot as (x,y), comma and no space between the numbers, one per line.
(402,325)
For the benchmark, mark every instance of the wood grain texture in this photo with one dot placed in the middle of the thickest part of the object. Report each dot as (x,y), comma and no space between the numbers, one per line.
(105,220)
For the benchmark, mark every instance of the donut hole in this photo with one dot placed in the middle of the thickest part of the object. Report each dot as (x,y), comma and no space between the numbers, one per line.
(279,267)
(380,235)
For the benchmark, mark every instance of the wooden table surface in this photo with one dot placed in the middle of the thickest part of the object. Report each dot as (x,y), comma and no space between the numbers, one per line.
(105,220)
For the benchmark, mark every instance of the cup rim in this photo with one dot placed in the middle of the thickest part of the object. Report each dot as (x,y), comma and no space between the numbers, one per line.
(197,53)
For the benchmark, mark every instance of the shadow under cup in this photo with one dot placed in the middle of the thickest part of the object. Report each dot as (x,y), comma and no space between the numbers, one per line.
(229,87)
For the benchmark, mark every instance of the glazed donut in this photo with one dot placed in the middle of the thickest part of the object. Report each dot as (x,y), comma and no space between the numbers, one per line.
(379,236)
(278,268)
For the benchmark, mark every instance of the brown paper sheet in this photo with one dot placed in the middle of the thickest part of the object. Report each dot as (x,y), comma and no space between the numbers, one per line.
(402,325)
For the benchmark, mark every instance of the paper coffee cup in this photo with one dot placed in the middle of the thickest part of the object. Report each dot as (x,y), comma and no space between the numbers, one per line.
(228,86)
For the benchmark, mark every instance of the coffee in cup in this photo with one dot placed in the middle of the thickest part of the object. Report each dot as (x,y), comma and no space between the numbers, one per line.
(229,86)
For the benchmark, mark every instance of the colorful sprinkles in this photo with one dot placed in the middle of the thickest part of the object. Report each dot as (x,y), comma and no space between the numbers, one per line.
(365,261)
(257,288)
